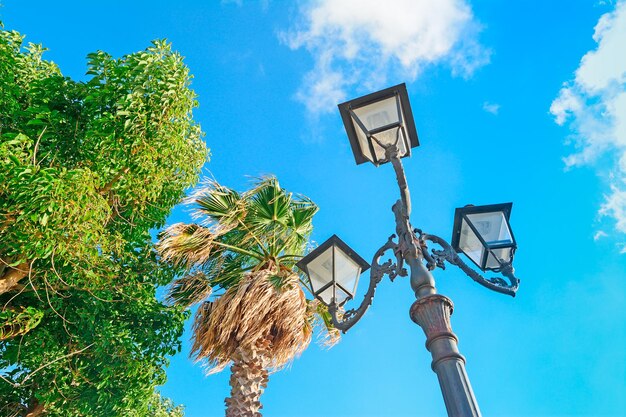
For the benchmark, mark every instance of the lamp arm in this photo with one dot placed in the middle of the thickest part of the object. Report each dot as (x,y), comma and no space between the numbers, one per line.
(349,318)
(402,184)
(437,257)
(391,154)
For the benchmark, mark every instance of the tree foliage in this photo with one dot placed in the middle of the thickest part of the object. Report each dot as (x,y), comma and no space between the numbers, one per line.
(87,169)
(159,406)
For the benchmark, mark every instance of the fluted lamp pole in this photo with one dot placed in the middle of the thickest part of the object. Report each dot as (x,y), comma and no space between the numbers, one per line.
(380,128)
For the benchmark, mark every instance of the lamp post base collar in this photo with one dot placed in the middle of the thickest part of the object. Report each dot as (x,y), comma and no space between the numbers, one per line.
(433,313)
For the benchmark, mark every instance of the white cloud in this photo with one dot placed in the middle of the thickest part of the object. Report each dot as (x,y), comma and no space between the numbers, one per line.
(599,235)
(492,108)
(615,206)
(364,42)
(593,106)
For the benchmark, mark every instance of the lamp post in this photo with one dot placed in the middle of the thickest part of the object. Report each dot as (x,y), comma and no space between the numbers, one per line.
(380,128)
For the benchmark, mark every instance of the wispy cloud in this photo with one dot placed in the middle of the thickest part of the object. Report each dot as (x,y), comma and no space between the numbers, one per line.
(364,42)
(599,235)
(593,106)
(615,206)
(492,108)
(264,3)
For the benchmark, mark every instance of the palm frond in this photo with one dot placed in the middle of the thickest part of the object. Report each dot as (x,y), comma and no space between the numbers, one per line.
(227,271)
(190,289)
(269,203)
(269,213)
(216,204)
(187,244)
(300,225)
(303,211)
(191,245)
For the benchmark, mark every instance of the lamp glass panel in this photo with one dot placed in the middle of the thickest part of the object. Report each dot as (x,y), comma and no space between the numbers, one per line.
(388,137)
(378,114)
(503,255)
(320,270)
(346,272)
(470,244)
(493,227)
(327,295)
(363,141)
(340,295)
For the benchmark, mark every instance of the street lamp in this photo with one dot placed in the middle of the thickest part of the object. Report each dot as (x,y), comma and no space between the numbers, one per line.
(333,269)
(484,235)
(381,129)
(378,120)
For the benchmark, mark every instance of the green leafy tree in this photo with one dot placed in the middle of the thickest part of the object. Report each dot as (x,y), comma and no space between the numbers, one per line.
(160,407)
(239,263)
(87,169)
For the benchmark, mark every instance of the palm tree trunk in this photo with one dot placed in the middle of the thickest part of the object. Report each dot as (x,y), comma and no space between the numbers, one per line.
(248,379)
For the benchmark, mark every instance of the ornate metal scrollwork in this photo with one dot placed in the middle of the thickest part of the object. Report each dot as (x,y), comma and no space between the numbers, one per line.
(437,258)
(412,249)
(377,272)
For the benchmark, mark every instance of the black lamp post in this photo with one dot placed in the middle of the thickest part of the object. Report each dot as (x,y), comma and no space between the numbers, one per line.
(381,129)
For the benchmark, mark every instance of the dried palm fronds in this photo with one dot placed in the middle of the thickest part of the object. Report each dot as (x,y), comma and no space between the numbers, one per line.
(320,321)
(187,244)
(253,312)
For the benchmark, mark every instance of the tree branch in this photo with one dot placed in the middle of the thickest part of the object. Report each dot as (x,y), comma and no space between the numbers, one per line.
(13,275)
(35,409)
(37,145)
(116,178)
(69,355)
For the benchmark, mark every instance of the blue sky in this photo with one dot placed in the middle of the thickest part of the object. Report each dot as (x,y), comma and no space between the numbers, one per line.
(521,101)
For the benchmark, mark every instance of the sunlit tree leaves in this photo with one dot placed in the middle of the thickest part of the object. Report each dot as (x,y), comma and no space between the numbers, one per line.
(87,169)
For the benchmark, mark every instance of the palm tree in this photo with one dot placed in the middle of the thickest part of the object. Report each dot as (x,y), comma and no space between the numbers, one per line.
(244,248)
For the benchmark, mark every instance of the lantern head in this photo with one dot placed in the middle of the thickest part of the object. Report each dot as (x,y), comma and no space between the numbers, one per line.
(333,269)
(484,235)
(378,120)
